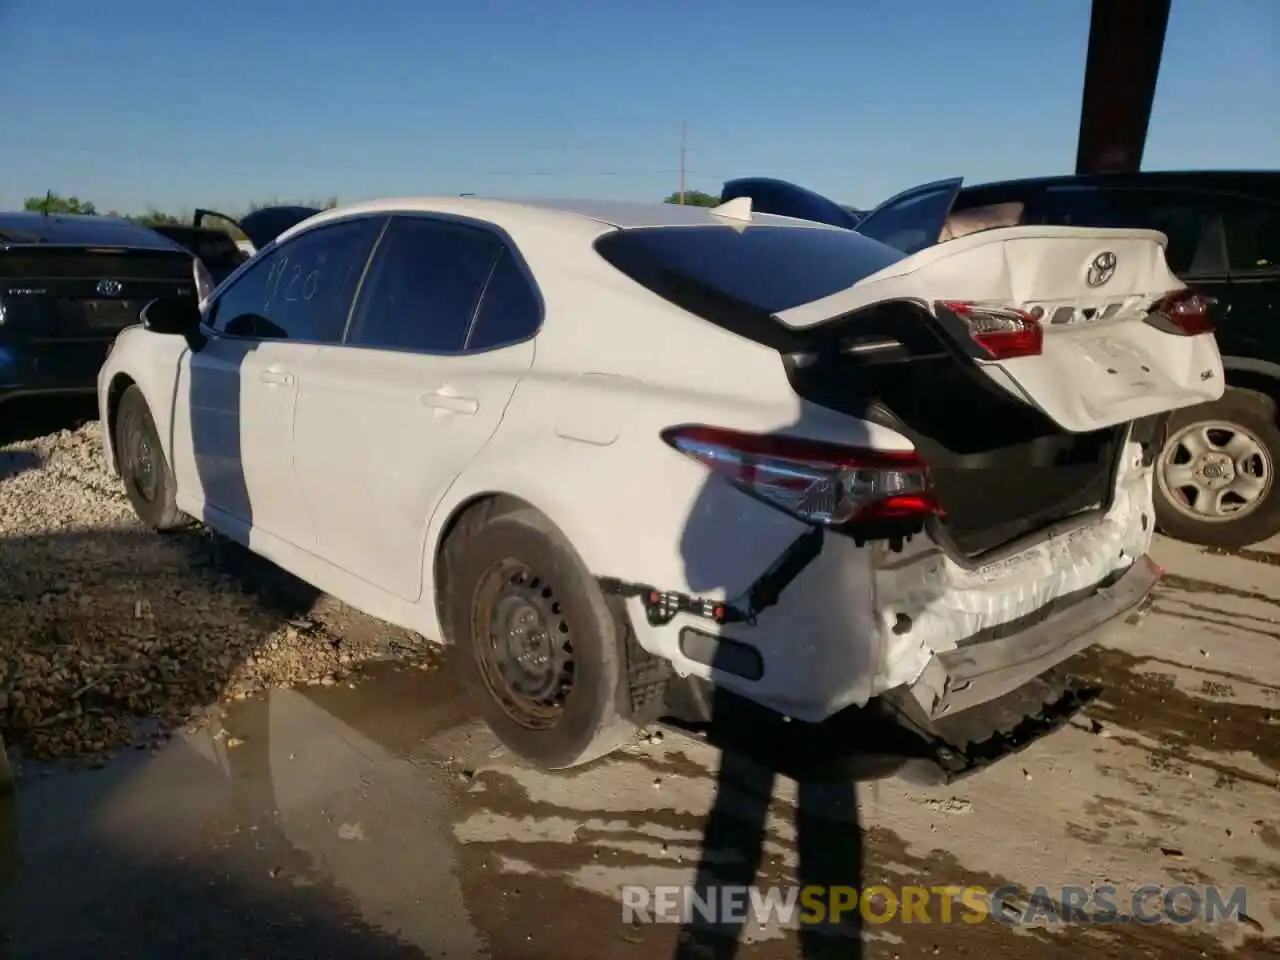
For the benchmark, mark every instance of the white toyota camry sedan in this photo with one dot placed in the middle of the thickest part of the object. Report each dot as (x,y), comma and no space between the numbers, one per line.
(611,449)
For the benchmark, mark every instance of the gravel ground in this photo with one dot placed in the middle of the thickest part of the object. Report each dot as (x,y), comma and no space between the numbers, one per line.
(114,636)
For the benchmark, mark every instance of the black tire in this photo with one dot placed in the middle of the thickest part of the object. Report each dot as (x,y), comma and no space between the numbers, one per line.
(148,478)
(1252,414)
(519,562)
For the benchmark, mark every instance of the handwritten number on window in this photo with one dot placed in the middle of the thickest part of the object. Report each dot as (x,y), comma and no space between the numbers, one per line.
(273,281)
(294,277)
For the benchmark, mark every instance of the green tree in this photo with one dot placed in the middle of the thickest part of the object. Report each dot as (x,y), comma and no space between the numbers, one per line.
(56,203)
(695,198)
(155,218)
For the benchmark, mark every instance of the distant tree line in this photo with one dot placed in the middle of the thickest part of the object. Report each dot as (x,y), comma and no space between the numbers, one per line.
(55,203)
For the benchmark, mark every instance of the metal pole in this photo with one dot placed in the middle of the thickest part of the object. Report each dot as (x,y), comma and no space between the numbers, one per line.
(683,132)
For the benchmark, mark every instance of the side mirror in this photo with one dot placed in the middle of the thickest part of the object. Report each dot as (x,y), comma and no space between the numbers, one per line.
(178,317)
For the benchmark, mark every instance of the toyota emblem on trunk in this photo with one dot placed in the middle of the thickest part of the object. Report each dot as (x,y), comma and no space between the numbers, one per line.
(1102,269)
(110,288)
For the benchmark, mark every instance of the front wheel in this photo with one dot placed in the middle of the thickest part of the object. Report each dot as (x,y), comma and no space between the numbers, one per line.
(540,646)
(1215,477)
(148,479)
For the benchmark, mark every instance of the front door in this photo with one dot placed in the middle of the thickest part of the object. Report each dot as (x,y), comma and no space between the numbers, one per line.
(242,385)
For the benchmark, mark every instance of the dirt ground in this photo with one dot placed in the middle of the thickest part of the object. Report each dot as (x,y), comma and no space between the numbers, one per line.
(305,796)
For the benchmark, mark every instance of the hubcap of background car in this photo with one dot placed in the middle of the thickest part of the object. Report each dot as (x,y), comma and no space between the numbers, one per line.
(527,661)
(1215,470)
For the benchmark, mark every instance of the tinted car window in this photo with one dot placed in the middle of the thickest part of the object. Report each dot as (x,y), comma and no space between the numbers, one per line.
(302,290)
(912,221)
(769,268)
(1253,237)
(510,310)
(216,249)
(423,286)
(1181,217)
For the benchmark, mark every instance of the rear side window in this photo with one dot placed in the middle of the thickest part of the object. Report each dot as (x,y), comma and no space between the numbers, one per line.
(424,286)
(1253,237)
(767,268)
(510,310)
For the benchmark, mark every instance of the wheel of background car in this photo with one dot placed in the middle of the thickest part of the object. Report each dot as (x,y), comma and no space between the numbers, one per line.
(148,478)
(1215,477)
(540,647)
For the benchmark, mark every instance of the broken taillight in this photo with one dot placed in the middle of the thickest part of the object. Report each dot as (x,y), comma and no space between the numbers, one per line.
(1184,313)
(818,482)
(1003,332)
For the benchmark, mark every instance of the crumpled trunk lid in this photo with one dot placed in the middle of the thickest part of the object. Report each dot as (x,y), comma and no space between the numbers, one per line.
(1101,364)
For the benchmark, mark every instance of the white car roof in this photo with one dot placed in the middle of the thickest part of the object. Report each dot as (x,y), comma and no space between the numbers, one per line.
(614,213)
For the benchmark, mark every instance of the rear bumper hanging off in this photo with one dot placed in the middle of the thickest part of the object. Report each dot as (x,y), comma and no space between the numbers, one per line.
(979,672)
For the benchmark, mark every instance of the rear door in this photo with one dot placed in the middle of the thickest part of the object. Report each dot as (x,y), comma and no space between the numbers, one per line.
(440,335)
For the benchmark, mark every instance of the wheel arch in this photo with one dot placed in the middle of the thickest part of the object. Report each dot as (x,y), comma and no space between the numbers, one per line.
(1249,373)
(120,382)
(478,507)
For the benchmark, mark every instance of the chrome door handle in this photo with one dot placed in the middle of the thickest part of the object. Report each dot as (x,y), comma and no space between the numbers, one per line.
(438,400)
(277,377)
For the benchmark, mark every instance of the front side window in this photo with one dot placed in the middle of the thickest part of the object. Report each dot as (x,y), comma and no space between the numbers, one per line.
(303,289)
(424,286)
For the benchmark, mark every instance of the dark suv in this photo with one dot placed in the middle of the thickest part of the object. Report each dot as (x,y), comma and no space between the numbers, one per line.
(68,285)
(1216,475)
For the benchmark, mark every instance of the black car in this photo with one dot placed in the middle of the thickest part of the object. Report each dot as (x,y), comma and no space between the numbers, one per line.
(1216,480)
(216,249)
(68,285)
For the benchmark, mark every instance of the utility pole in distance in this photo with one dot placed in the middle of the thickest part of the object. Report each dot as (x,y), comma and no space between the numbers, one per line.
(684,127)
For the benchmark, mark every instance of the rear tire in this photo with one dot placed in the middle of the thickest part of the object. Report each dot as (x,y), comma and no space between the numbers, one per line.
(541,650)
(148,479)
(1215,477)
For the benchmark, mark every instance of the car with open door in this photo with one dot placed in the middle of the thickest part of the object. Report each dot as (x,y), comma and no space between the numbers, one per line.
(1216,482)
(620,454)
(217,249)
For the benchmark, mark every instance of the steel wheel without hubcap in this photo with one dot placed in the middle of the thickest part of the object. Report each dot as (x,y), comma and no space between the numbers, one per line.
(527,662)
(1215,471)
(143,475)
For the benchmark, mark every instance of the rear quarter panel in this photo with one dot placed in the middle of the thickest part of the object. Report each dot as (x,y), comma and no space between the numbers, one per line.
(614,366)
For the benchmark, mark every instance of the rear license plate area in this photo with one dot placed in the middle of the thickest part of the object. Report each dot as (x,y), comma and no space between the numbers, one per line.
(98,315)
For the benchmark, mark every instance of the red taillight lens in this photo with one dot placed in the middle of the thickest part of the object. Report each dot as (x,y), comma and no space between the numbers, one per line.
(1003,332)
(821,483)
(1187,312)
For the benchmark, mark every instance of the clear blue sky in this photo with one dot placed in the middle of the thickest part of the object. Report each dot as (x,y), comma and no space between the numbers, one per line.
(140,102)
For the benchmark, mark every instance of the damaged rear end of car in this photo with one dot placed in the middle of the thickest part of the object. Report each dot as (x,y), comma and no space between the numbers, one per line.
(1025,374)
